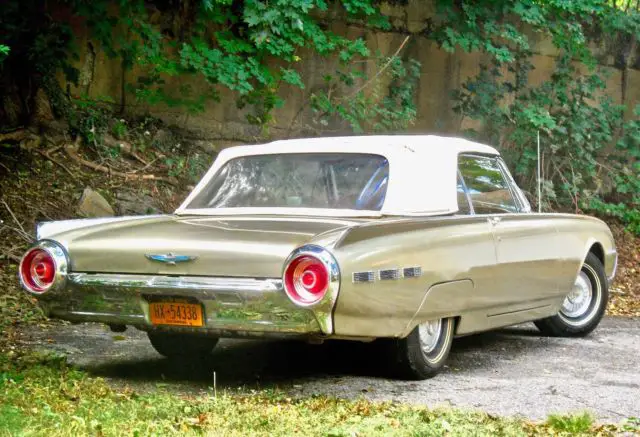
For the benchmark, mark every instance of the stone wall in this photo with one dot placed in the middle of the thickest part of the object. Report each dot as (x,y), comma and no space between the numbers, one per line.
(442,72)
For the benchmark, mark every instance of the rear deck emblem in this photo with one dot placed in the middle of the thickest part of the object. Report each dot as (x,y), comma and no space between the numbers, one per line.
(170,258)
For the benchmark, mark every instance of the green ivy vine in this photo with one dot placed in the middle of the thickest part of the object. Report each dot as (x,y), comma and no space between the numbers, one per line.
(590,147)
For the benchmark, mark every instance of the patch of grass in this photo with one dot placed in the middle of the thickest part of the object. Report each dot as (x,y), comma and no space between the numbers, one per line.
(573,424)
(632,425)
(41,394)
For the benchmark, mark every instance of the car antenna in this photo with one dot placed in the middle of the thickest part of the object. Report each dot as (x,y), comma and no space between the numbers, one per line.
(539,180)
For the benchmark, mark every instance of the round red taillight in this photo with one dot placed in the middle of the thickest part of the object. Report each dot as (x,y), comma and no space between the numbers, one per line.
(38,270)
(306,280)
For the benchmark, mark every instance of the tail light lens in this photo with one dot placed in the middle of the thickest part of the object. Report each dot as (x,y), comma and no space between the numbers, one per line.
(41,267)
(306,280)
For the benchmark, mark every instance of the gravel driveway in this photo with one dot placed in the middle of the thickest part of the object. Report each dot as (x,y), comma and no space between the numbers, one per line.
(513,371)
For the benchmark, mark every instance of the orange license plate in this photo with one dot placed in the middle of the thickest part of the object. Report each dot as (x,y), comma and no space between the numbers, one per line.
(176,313)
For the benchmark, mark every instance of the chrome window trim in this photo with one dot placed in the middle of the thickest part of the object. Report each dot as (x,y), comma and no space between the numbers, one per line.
(472,211)
(524,205)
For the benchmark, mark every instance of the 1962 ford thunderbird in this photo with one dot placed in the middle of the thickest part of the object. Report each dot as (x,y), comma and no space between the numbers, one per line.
(412,239)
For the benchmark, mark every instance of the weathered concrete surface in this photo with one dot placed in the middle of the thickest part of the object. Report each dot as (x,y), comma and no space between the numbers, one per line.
(513,371)
(442,72)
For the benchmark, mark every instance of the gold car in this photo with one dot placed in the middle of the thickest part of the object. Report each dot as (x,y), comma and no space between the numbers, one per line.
(412,239)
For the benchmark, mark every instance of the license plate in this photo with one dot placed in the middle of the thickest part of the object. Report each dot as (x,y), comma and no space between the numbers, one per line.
(176,313)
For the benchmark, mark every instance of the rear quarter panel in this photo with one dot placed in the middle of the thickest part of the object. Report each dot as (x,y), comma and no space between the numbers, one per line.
(452,249)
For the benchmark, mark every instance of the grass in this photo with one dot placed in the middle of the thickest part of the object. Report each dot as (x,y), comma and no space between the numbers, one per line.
(574,424)
(42,395)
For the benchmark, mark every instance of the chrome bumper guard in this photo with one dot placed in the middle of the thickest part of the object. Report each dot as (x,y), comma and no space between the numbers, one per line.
(232,306)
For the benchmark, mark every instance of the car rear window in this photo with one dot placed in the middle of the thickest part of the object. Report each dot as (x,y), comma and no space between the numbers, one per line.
(304,180)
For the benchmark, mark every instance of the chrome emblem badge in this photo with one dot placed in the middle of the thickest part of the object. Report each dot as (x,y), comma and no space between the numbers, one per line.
(170,258)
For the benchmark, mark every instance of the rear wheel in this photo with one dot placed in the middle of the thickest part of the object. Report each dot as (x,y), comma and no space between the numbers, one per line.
(174,345)
(584,306)
(423,353)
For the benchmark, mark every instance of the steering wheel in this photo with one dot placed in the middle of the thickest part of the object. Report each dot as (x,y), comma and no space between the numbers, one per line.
(367,194)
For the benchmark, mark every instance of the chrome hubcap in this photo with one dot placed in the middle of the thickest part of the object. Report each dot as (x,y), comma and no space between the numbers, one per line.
(430,333)
(577,303)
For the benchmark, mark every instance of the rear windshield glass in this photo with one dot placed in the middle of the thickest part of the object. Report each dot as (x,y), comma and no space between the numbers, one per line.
(321,180)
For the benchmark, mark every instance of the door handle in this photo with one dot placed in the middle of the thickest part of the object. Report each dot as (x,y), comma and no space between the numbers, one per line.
(494,220)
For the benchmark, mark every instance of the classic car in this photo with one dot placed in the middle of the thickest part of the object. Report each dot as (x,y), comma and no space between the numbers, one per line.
(409,240)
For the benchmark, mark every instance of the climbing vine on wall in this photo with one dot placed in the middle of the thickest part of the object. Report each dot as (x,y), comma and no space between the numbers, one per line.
(251,47)
(590,154)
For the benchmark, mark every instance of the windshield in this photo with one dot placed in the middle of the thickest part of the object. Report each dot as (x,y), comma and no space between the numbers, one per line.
(304,180)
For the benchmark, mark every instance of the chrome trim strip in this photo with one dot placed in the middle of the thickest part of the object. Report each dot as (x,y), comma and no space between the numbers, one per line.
(196,283)
(412,272)
(610,278)
(389,274)
(363,277)
(46,229)
(323,310)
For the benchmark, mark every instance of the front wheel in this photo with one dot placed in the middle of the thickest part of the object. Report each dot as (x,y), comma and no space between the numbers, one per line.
(179,345)
(423,353)
(584,306)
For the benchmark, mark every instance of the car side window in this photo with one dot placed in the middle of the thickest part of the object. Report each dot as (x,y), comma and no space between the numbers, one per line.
(486,184)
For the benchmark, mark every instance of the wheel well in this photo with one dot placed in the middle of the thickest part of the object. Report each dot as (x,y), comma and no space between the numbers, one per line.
(456,323)
(598,251)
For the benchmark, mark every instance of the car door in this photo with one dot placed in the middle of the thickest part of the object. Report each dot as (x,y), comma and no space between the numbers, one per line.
(524,242)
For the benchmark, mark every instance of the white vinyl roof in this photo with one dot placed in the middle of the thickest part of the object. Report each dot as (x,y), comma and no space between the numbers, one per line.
(422,172)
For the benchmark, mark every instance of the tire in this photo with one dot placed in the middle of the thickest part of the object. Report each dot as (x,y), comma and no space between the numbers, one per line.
(413,361)
(175,345)
(584,307)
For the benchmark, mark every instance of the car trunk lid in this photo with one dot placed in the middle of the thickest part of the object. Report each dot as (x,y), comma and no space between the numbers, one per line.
(187,245)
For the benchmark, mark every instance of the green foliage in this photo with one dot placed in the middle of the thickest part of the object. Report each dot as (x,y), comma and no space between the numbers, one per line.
(590,156)
(250,47)
(90,118)
(4,52)
(119,129)
(376,109)
(573,424)
(496,27)
(190,167)
(229,44)
(631,425)
(40,48)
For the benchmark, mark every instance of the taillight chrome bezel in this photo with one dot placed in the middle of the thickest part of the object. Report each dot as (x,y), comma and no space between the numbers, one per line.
(328,262)
(323,307)
(61,267)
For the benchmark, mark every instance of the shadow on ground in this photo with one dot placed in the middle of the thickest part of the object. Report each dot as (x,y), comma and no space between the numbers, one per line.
(276,363)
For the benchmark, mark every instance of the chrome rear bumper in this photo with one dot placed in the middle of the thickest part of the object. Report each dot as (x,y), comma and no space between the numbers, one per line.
(232,306)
